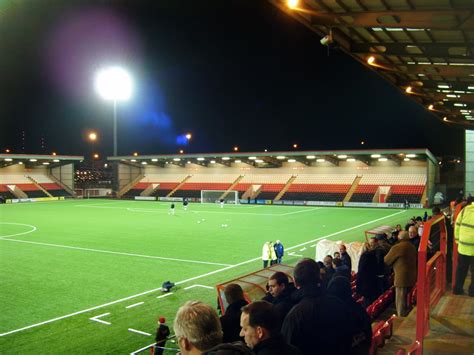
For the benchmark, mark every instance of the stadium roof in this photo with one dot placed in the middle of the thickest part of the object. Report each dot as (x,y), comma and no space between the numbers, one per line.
(275,159)
(36,159)
(424,47)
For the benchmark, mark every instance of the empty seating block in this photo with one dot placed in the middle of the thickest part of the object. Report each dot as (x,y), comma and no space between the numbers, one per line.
(5,193)
(31,190)
(54,189)
(137,189)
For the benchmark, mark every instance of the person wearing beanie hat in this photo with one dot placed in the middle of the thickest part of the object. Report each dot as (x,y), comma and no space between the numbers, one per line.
(162,334)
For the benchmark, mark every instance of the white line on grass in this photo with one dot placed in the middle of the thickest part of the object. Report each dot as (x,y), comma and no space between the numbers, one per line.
(33,228)
(165,295)
(310,209)
(135,304)
(139,332)
(293,254)
(96,319)
(115,252)
(190,279)
(192,286)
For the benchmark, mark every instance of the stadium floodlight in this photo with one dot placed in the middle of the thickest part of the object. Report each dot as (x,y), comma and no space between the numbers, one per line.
(310,157)
(375,156)
(350,160)
(342,156)
(281,157)
(259,161)
(252,158)
(225,158)
(382,159)
(292,4)
(320,160)
(406,159)
(176,159)
(291,160)
(188,136)
(33,160)
(8,159)
(114,84)
(238,161)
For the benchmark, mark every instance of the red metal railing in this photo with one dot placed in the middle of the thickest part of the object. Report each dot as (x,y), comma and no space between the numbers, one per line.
(431,283)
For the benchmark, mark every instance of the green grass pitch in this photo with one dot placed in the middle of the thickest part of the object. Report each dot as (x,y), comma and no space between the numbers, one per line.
(65,262)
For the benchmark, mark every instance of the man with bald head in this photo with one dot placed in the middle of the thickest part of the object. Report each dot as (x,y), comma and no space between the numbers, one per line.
(402,258)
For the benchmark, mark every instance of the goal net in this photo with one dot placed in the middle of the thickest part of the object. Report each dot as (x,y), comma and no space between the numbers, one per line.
(214,196)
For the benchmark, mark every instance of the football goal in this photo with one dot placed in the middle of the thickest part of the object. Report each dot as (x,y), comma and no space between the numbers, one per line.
(214,196)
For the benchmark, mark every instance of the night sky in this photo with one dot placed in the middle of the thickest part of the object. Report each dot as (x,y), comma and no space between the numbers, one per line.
(230,72)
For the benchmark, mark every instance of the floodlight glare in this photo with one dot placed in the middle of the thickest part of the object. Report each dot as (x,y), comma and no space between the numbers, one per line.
(114,84)
(292,3)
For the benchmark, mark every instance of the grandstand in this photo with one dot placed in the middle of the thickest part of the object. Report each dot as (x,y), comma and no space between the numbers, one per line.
(349,177)
(36,176)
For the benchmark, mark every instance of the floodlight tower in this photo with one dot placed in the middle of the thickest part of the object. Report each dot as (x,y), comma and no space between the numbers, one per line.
(114,84)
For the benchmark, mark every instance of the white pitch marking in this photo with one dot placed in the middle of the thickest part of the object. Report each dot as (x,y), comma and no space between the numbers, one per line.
(293,254)
(309,209)
(135,304)
(313,246)
(190,279)
(33,228)
(96,319)
(138,332)
(303,249)
(165,295)
(192,286)
(115,252)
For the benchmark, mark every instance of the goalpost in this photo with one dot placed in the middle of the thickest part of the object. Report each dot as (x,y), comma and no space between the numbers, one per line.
(214,196)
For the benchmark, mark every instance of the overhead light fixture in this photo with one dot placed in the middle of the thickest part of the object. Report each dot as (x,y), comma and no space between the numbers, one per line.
(45,163)
(188,162)
(375,156)
(406,159)
(371,60)
(431,107)
(343,156)
(292,4)
(200,159)
(8,159)
(445,119)
(133,160)
(310,157)
(443,86)
(33,160)
(259,161)
(458,104)
(225,158)
(409,90)
(252,158)
(238,161)
(154,160)
(176,159)
(350,159)
(411,155)
(56,160)
(291,160)
(281,157)
(212,162)
(144,163)
(382,159)
(320,160)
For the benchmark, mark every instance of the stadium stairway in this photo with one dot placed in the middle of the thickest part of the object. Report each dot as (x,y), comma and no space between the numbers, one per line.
(234,184)
(39,186)
(351,191)
(179,185)
(129,185)
(285,188)
(451,329)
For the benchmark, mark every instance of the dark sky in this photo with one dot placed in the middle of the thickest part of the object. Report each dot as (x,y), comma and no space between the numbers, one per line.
(231,72)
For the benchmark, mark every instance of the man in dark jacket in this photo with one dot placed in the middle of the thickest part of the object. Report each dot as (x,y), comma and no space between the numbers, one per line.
(260,324)
(279,251)
(367,283)
(340,287)
(281,291)
(346,259)
(162,334)
(316,324)
(230,321)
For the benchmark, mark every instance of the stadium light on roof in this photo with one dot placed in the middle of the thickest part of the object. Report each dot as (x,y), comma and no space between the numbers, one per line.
(371,60)
(225,158)
(212,161)
(320,160)
(383,159)
(295,145)
(176,159)
(56,160)
(343,156)
(236,149)
(54,153)
(259,161)
(96,156)
(375,156)
(181,151)
(291,160)
(310,157)
(200,159)
(238,161)
(7,150)
(114,84)
(45,163)
(8,159)
(406,159)
(252,158)
(411,155)
(189,136)
(33,160)
(135,154)
(281,157)
(154,160)
(350,160)
(292,4)
(409,90)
